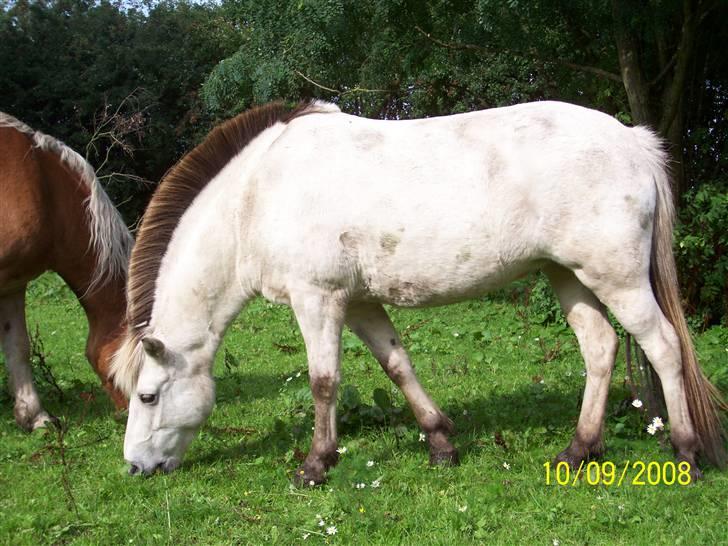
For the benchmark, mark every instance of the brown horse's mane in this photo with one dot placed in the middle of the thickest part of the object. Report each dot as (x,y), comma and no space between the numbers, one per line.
(110,238)
(173,197)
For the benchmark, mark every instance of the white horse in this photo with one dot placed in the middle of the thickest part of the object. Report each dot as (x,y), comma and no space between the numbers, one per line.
(335,215)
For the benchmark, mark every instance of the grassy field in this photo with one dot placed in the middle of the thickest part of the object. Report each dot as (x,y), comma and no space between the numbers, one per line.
(511,385)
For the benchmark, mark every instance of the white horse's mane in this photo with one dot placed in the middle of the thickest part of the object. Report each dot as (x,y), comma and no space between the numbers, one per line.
(110,238)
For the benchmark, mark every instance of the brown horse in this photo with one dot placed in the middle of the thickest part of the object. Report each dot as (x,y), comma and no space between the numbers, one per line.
(55,216)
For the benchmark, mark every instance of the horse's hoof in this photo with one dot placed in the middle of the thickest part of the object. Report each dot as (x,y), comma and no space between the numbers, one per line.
(31,421)
(308,478)
(574,460)
(695,473)
(445,458)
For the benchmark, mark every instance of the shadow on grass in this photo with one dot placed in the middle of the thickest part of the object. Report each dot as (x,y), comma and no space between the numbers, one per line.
(477,420)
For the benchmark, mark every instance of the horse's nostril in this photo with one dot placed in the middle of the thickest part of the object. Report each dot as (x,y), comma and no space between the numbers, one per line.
(134,469)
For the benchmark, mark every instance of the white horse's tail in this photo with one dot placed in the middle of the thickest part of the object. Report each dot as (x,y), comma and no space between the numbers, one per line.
(704,400)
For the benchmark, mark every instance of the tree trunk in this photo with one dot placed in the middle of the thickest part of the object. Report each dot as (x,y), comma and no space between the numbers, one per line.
(633,77)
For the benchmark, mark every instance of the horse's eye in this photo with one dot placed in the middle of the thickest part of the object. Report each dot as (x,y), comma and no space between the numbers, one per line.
(148,398)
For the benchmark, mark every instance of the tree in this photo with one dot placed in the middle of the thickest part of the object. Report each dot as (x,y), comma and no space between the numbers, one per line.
(69,64)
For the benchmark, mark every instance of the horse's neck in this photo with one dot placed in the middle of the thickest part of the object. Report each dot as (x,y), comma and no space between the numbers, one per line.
(198,288)
(74,259)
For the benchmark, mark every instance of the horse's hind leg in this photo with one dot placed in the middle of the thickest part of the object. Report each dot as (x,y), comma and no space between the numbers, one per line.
(371,323)
(14,340)
(598,343)
(635,307)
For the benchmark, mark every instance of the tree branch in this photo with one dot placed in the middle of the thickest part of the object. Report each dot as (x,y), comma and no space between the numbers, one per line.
(531,54)
(337,91)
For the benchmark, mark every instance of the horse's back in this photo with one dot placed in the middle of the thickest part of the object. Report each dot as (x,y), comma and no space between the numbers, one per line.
(435,210)
(24,244)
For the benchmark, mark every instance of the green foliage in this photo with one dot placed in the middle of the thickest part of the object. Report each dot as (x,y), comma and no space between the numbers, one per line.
(68,63)
(702,251)
(353,414)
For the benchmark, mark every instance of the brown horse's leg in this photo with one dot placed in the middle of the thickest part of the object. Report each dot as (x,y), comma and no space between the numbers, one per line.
(371,323)
(14,340)
(321,317)
(598,343)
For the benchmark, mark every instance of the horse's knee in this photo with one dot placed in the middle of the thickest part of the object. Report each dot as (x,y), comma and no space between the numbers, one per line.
(324,386)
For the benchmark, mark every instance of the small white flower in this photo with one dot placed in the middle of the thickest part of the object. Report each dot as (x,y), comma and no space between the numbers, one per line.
(556,542)
(298,374)
(456,334)
(621,506)
(331,530)
(422,437)
(651,429)
(306,535)
(657,423)
(312,483)
(289,379)
(536,339)
(506,465)
(541,382)
(637,403)
(370,464)
(376,483)
(321,523)
(360,485)
(462,508)
(341,450)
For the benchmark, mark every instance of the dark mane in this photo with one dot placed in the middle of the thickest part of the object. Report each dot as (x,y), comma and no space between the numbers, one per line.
(178,189)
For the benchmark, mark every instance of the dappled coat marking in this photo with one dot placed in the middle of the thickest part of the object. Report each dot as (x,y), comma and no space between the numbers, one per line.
(334,215)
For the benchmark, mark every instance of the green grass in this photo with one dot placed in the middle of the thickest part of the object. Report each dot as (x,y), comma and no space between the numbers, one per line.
(513,399)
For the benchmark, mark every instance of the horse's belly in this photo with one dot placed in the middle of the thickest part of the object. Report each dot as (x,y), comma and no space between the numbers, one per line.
(439,283)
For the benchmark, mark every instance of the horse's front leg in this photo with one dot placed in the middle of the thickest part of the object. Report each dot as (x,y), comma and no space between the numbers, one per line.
(370,322)
(320,317)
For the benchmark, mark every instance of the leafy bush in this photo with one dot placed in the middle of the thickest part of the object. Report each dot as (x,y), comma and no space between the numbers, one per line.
(701,250)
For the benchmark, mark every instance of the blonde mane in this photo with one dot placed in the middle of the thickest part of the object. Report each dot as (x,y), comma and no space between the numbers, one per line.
(172,198)
(110,241)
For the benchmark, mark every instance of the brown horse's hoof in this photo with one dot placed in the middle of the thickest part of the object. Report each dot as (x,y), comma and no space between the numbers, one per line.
(444,458)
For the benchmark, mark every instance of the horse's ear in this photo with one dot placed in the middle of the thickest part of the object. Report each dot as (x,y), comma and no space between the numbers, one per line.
(154,347)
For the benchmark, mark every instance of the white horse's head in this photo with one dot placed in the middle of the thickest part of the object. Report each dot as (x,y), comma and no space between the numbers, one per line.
(172,398)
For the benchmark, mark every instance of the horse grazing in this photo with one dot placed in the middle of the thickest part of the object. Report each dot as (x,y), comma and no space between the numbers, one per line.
(56,216)
(335,215)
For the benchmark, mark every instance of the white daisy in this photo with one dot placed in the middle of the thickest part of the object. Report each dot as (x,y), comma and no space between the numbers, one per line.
(637,403)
